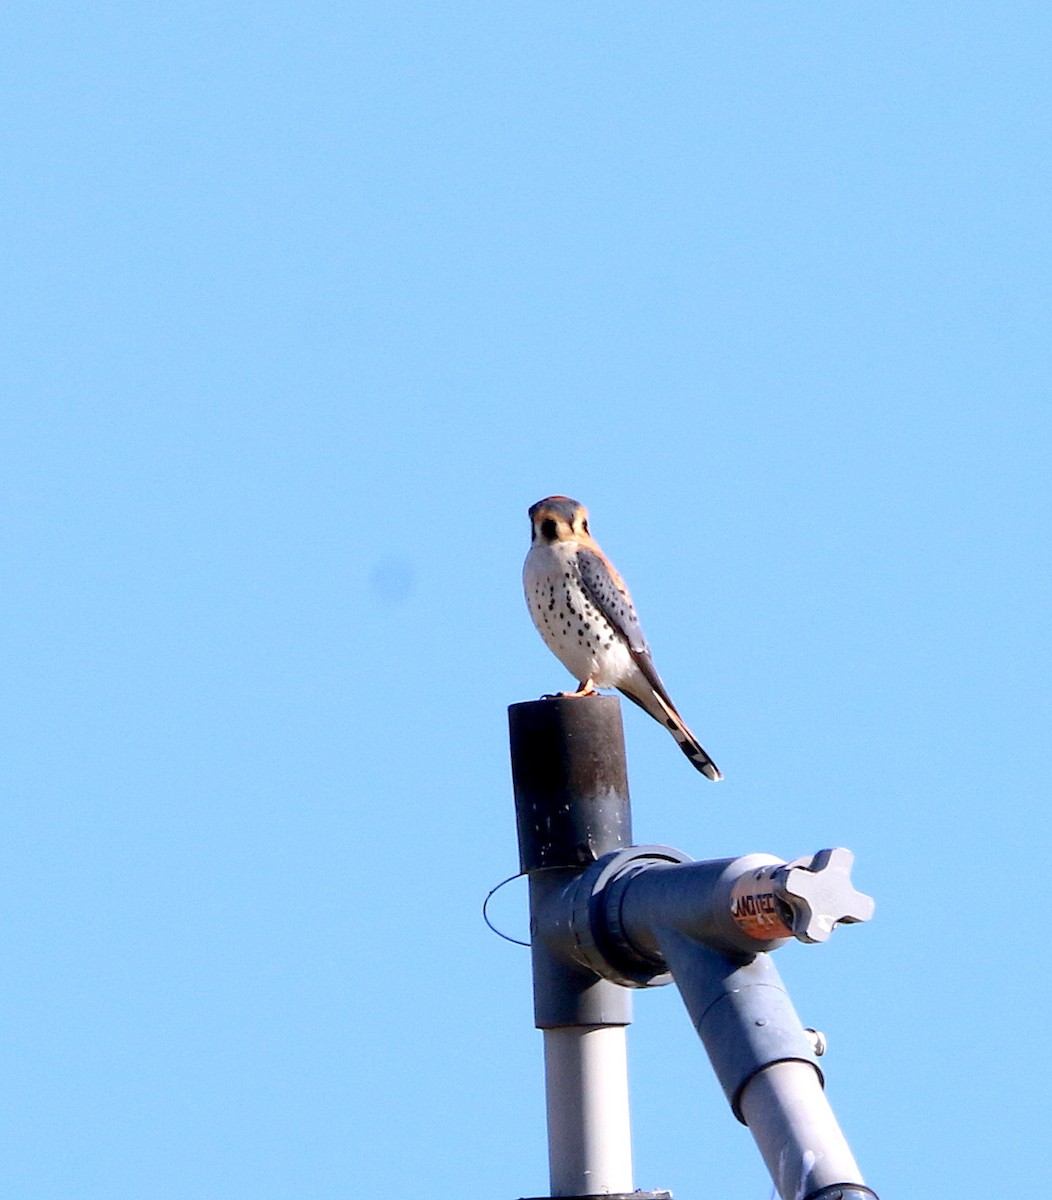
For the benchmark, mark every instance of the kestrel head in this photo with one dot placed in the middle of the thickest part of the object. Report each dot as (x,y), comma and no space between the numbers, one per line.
(559,519)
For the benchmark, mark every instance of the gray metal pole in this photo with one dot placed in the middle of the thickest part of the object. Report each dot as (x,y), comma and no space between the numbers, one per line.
(764,1059)
(589,1135)
(789,1117)
(572,807)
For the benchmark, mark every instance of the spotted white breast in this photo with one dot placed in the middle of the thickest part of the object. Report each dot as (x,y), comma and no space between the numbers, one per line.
(573,627)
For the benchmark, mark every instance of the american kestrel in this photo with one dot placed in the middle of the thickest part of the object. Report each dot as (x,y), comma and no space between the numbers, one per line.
(582,609)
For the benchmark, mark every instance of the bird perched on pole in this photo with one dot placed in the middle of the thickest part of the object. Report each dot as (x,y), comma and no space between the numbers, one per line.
(585,614)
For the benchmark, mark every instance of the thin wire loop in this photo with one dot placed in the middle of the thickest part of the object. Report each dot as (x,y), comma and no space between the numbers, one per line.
(485,904)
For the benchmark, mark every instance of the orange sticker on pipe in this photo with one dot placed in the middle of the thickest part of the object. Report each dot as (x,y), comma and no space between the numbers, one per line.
(757,911)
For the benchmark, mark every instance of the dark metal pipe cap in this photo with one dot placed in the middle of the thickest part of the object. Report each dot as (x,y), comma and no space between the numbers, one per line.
(571,780)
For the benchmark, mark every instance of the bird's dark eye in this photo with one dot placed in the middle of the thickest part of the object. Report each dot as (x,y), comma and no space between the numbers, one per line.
(548,529)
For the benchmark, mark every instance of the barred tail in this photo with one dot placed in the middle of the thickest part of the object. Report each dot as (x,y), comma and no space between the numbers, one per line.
(661,710)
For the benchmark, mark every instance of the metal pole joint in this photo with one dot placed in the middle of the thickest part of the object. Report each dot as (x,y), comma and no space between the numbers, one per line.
(611,917)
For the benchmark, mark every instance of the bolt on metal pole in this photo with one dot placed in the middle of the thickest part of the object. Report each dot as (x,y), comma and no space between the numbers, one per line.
(572,807)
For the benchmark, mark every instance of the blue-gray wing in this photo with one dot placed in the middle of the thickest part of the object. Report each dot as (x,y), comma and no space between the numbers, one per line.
(610,595)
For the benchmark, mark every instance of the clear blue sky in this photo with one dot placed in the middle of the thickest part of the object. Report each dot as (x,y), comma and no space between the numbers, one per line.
(304,304)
